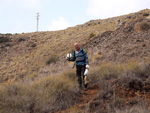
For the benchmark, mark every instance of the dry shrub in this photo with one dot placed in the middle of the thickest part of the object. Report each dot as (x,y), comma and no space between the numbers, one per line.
(96,57)
(55,93)
(71,74)
(16,98)
(106,94)
(52,59)
(132,102)
(33,75)
(106,70)
(91,35)
(112,71)
(96,106)
(49,94)
(142,26)
(134,109)
(137,69)
(118,103)
(145,14)
(4,39)
(131,67)
(31,44)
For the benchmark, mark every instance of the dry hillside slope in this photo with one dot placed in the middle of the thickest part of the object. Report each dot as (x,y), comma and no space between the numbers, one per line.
(116,39)
(33,68)
(25,54)
(130,41)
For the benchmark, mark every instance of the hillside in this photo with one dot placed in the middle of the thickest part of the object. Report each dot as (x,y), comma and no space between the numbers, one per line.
(128,42)
(27,53)
(119,56)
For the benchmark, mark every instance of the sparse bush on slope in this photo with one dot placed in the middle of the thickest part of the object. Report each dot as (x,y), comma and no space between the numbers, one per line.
(49,94)
(91,35)
(125,91)
(4,39)
(142,26)
(16,98)
(57,92)
(52,59)
(105,70)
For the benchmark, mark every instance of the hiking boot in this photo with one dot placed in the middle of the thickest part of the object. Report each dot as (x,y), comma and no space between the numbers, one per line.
(85,86)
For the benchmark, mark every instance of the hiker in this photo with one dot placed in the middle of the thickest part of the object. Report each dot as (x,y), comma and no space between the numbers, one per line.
(81,60)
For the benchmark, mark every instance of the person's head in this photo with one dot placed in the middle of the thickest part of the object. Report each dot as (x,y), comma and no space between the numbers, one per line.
(77,46)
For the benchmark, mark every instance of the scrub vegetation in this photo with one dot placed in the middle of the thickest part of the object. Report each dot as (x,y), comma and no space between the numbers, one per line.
(36,78)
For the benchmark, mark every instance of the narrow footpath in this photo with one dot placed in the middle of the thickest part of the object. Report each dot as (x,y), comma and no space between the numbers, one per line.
(86,97)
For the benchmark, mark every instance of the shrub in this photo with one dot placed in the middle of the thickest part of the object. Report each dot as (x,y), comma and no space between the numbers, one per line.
(50,94)
(16,98)
(21,39)
(142,26)
(96,106)
(70,74)
(8,34)
(96,57)
(131,67)
(91,35)
(107,71)
(31,44)
(145,14)
(106,94)
(4,39)
(118,103)
(134,109)
(52,59)
(33,75)
(55,93)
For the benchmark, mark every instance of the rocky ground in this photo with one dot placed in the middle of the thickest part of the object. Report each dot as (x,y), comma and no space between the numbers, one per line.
(131,40)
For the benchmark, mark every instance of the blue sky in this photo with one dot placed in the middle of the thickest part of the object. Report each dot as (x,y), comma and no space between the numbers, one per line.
(18,16)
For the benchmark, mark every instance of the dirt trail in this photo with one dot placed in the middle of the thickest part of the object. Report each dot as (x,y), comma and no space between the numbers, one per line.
(86,97)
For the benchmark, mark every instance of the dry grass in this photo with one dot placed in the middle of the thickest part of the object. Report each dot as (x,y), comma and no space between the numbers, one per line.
(57,92)
(49,94)
(134,109)
(91,35)
(112,70)
(106,70)
(96,57)
(16,97)
(52,59)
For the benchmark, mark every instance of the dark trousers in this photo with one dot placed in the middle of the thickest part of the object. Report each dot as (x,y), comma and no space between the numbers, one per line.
(80,74)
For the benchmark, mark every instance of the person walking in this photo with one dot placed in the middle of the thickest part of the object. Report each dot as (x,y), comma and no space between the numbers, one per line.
(81,60)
